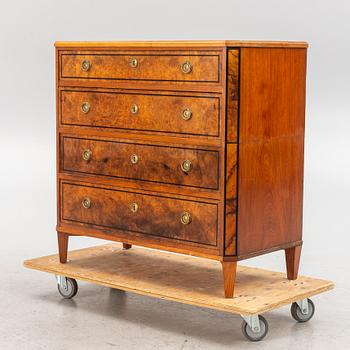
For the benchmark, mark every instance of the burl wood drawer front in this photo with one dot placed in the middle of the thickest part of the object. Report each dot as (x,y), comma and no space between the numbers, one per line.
(161,216)
(181,166)
(202,67)
(146,112)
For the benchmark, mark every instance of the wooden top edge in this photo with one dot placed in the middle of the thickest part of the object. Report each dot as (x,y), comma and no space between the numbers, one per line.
(189,44)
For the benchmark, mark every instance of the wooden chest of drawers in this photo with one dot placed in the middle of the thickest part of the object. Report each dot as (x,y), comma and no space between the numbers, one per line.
(191,147)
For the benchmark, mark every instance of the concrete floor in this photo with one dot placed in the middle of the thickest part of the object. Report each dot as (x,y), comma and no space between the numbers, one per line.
(33,316)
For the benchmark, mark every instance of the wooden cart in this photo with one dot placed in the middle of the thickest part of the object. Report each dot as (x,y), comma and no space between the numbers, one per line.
(187,280)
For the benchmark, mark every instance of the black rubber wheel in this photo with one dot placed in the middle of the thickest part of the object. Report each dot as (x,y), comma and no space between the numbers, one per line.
(253,336)
(298,315)
(72,288)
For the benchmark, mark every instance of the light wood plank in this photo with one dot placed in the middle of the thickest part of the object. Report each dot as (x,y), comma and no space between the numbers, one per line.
(180,278)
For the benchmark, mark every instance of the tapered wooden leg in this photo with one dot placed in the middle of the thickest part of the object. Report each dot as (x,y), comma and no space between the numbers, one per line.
(62,246)
(292,262)
(229,272)
(126,246)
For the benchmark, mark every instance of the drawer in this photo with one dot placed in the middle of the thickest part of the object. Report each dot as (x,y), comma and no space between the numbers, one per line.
(201,67)
(146,112)
(149,214)
(180,166)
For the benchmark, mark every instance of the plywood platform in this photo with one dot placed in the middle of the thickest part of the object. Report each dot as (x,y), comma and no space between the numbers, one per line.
(180,278)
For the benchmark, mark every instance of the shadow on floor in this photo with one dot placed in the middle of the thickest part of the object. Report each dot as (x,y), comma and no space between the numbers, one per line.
(119,306)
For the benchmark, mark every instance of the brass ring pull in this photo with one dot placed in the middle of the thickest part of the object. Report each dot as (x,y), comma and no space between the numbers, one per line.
(186,114)
(87,154)
(134,108)
(85,65)
(85,107)
(186,166)
(186,67)
(86,202)
(133,62)
(134,207)
(134,158)
(185,218)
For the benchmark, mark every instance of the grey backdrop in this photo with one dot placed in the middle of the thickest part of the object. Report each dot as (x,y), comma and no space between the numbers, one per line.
(28,30)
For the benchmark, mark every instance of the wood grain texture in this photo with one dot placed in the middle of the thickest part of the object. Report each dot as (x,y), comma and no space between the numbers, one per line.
(231,199)
(181,278)
(250,93)
(148,186)
(62,239)
(179,44)
(154,163)
(229,273)
(271,147)
(155,215)
(232,95)
(150,85)
(156,112)
(292,261)
(205,142)
(150,66)
(148,241)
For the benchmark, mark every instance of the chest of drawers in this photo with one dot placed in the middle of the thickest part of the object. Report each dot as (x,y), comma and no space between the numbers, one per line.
(191,147)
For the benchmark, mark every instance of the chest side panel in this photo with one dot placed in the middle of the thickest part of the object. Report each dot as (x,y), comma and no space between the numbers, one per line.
(271,148)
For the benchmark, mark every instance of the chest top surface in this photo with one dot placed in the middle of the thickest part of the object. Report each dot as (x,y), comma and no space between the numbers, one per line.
(183,43)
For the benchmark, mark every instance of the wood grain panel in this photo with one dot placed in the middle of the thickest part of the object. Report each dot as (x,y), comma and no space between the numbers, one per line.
(154,215)
(230,199)
(271,144)
(232,95)
(155,112)
(154,163)
(154,66)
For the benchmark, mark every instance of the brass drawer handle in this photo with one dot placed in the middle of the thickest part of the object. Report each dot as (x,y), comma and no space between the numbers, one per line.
(134,158)
(85,65)
(186,114)
(134,207)
(186,67)
(134,108)
(133,62)
(86,202)
(85,107)
(186,166)
(87,154)
(185,218)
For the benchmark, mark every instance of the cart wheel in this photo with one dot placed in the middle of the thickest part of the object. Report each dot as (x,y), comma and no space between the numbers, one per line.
(72,288)
(298,315)
(255,336)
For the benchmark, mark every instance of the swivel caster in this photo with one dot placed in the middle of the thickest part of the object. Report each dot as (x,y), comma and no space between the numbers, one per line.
(303,310)
(67,287)
(254,328)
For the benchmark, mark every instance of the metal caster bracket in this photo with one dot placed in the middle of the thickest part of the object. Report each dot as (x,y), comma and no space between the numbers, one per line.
(253,322)
(62,282)
(304,306)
